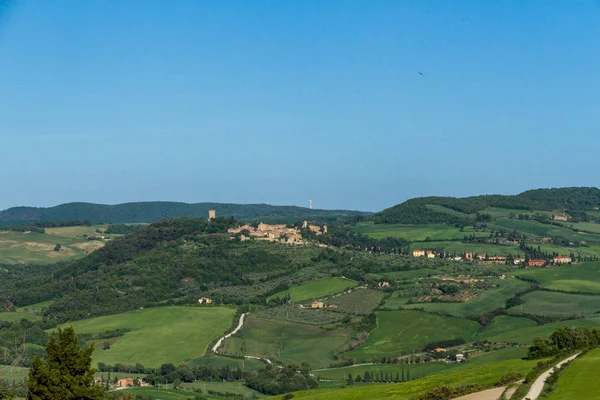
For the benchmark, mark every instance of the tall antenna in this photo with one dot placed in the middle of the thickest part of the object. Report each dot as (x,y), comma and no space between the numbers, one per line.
(310,204)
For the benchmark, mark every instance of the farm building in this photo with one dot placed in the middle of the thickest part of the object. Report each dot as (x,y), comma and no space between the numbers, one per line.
(460,357)
(205,300)
(317,304)
(536,263)
(418,253)
(439,350)
(497,258)
(384,284)
(125,382)
(518,261)
(560,218)
(469,255)
(561,260)
(481,256)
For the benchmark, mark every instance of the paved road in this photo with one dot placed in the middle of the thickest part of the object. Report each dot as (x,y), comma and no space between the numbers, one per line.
(538,385)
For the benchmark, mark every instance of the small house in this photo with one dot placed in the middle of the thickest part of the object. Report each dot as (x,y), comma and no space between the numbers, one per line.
(205,300)
(536,263)
(439,350)
(469,255)
(561,260)
(317,304)
(460,357)
(418,253)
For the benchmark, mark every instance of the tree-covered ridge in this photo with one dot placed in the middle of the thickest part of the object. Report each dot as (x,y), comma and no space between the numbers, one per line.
(145,212)
(415,211)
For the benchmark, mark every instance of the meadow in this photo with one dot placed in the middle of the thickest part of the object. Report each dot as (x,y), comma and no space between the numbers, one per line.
(404,331)
(222,387)
(416,232)
(468,373)
(579,380)
(15,316)
(524,331)
(286,342)
(33,247)
(159,335)
(487,301)
(316,289)
(216,361)
(583,277)
(555,304)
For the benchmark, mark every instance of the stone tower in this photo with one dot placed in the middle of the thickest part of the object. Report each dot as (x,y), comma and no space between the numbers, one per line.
(212,214)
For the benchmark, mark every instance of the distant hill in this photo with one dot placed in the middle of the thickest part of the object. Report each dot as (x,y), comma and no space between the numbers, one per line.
(145,212)
(424,210)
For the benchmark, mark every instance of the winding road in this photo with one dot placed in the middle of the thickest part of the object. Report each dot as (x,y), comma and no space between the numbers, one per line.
(215,348)
(538,385)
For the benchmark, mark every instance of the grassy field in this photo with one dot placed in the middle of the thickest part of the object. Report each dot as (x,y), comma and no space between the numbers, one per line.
(524,332)
(468,373)
(416,232)
(416,370)
(557,304)
(583,277)
(159,335)
(409,274)
(404,331)
(487,301)
(15,316)
(222,387)
(20,247)
(317,289)
(579,380)
(215,361)
(287,342)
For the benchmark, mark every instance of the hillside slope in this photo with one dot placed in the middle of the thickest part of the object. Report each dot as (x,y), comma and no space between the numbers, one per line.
(144,212)
(420,210)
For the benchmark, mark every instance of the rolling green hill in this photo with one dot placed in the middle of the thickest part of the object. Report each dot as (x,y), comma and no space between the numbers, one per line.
(142,212)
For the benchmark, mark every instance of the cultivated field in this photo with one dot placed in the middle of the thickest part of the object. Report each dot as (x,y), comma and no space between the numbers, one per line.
(580,379)
(159,335)
(286,342)
(583,277)
(556,304)
(416,232)
(317,289)
(487,301)
(404,331)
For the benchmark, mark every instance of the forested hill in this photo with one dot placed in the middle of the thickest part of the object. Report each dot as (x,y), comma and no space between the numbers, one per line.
(425,210)
(154,211)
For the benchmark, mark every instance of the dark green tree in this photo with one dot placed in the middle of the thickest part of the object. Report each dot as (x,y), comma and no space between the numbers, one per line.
(67,375)
(350,380)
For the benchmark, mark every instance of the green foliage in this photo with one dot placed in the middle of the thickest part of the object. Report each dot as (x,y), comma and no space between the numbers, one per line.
(155,211)
(448,392)
(564,340)
(578,381)
(123,229)
(274,381)
(67,374)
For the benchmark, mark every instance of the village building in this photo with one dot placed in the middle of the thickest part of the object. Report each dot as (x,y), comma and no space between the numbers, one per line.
(212,214)
(457,258)
(481,256)
(546,240)
(561,260)
(331,306)
(205,300)
(317,304)
(497,258)
(536,263)
(469,255)
(560,218)
(460,357)
(418,253)
(431,254)
(439,350)
(384,284)
(518,261)
(125,382)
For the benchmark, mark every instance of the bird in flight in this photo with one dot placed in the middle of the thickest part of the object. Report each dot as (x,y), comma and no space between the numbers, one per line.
(420,73)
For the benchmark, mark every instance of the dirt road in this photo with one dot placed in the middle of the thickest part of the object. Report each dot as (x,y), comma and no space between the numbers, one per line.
(491,394)
(538,385)
(215,348)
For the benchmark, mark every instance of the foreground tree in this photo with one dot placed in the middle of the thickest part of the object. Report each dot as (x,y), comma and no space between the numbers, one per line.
(67,375)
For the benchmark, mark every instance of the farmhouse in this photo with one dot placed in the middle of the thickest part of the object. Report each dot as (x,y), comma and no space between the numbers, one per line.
(317,304)
(418,253)
(430,254)
(518,261)
(536,263)
(125,382)
(497,258)
(384,284)
(439,350)
(561,260)
(469,255)
(559,217)
(481,256)
(205,300)
(460,357)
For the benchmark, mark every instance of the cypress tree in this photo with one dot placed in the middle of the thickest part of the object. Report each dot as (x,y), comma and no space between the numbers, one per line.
(397,377)
(67,375)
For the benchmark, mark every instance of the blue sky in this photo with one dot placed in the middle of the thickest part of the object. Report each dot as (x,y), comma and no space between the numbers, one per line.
(282,101)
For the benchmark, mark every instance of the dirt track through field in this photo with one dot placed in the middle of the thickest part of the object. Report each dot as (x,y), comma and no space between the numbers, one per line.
(538,385)
(491,394)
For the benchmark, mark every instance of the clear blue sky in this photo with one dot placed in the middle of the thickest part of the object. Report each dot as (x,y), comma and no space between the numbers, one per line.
(282,101)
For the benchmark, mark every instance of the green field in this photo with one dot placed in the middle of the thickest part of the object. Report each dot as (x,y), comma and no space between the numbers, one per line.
(215,361)
(579,380)
(468,373)
(15,316)
(583,277)
(524,331)
(20,247)
(404,331)
(159,335)
(286,342)
(222,387)
(487,301)
(416,232)
(555,304)
(408,274)
(316,289)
